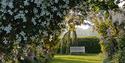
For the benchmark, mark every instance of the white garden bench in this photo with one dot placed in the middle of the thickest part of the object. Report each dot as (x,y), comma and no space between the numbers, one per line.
(77,49)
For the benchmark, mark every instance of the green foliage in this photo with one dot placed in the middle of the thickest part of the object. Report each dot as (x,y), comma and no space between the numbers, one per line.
(119,56)
(107,34)
(97,5)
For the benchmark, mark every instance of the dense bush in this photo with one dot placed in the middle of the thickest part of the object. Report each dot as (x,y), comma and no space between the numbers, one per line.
(119,56)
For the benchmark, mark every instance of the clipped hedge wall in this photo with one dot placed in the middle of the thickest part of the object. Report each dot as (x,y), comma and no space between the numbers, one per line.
(91,44)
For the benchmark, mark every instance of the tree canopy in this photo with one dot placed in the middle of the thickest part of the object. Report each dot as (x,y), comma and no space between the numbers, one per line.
(30,22)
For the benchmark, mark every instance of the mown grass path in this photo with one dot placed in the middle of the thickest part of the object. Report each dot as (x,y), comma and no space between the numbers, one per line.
(87,58)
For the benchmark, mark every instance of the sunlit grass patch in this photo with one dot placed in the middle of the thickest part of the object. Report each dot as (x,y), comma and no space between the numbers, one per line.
(87,58)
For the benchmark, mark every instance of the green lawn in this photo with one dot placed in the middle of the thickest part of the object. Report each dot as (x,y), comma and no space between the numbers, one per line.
(87,58)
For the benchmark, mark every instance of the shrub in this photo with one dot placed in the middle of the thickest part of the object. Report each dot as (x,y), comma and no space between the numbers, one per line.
(119,56)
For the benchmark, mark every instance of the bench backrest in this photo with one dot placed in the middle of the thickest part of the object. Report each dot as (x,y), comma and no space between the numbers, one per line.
(77,49)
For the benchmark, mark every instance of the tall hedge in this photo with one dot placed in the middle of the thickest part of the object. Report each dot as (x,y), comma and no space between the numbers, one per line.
(91,44)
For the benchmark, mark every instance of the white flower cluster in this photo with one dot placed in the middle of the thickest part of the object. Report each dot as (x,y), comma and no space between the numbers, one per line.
(7,28)
(118,17)
(33,21)
(4,4)
(22,33)
(10,12)
(42,13)
(26,3)
(120,3)
(5,41)
(45,33)
(67,1)
(38,2)
(18,38)
(35,10)
(32,38)
(20,15)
